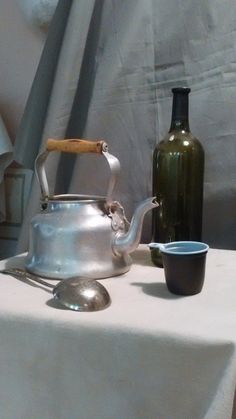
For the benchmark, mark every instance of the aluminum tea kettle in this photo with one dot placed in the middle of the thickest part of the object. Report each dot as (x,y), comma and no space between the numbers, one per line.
(79,234)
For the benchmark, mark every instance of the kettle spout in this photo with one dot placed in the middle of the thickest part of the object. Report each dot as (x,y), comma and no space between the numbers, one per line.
(128,242)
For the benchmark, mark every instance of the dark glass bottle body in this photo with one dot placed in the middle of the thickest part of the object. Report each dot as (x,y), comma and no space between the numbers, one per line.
(178,172)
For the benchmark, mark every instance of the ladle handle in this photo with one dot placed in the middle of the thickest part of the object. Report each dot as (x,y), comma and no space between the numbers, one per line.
(21,273)
(77,146)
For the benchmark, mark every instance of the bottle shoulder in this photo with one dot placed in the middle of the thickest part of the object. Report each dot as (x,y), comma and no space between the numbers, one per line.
(179,141)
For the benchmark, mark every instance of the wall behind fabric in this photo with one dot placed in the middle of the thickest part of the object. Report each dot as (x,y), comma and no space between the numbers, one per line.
(21,45)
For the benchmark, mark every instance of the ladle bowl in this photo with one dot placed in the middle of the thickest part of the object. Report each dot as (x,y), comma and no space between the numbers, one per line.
(81,294)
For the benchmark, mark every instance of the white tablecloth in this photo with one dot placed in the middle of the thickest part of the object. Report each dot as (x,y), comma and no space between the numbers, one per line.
(150,355)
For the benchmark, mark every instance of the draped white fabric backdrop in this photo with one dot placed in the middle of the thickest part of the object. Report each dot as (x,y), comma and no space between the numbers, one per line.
(107,70)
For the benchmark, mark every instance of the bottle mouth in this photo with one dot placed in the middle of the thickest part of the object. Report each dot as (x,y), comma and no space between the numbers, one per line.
(184,90)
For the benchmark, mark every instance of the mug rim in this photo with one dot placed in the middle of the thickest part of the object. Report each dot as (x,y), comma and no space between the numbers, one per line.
(204,249)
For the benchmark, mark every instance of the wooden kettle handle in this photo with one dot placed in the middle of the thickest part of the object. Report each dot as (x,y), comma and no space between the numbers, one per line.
(77,146)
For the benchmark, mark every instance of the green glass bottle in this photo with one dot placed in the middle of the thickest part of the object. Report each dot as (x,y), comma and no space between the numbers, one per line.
(178,171)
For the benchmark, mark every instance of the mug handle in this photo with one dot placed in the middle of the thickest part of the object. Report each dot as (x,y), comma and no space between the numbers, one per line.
(76,146)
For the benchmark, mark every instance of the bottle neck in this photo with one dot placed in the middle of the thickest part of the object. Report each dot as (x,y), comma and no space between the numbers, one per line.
(180,118)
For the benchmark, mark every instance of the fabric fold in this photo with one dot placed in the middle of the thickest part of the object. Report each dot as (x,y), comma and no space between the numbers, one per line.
(6,157)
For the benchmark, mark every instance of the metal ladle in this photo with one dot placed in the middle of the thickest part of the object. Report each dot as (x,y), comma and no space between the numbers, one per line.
(75,293)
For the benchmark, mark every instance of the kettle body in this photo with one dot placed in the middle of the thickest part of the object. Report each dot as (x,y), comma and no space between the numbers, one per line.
(74,237)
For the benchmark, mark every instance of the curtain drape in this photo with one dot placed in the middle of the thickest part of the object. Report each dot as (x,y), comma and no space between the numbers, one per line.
(107,70)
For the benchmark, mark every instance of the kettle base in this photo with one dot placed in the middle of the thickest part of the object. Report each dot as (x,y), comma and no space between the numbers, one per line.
(66,270)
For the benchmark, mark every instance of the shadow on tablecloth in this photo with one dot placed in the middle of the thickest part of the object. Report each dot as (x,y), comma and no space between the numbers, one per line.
(157,289)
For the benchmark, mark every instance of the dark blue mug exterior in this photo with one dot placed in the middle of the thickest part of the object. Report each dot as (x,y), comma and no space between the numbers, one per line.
(184,266)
